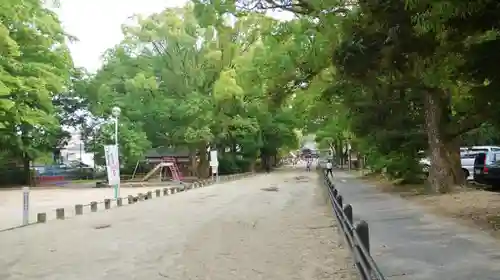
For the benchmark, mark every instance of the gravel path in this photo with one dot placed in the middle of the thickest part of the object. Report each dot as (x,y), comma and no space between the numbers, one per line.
(228,231)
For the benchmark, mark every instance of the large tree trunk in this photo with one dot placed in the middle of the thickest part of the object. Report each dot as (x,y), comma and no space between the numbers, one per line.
(28,176)
(193,162)
(204,165)
(251,167)
(339,152)
(265,159)
(445,170)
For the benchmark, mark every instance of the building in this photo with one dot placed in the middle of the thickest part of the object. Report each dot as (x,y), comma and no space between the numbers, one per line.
(75,151)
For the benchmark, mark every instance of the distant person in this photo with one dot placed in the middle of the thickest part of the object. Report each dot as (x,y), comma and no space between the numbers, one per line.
(308,165)
(329,168)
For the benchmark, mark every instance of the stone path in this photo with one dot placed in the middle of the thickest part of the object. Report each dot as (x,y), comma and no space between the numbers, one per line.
(409,243)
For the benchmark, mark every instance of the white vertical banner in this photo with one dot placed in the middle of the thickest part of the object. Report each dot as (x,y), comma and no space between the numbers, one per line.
(26,205)
(112,164)
(213,156)
(214,164)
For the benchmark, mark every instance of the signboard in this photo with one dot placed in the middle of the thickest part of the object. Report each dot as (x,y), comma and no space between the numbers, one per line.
(26,205)
(214,164)
(214,161)
(112,164)
(213,156)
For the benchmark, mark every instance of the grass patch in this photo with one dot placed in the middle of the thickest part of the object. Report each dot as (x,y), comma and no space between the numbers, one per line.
(83,181)
(476,208)
(472,206)
(397,186)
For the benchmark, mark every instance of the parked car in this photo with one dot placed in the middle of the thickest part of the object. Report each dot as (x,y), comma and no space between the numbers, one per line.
(468,156)
(487,168)
(424,161)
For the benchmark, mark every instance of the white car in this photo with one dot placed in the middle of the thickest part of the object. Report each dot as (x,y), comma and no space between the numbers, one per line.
(468,155)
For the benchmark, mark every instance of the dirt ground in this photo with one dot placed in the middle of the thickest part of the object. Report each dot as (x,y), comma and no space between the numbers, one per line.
(274,226)
(47,200)
(472,206)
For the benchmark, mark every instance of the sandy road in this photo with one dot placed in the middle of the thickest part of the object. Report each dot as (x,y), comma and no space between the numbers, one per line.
(48,200)
(229,231)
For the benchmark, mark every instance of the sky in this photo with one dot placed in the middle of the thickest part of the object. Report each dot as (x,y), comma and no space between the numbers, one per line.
(97,24)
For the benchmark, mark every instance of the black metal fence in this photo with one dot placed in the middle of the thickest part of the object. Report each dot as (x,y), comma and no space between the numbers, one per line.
(356,235)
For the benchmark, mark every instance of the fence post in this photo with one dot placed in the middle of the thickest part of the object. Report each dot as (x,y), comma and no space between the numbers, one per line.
(41,218)
(158,192)
(348,212)
(335,193)
(119,202)
(339,200)
(149,195)
(93,206)
(348,225)
(107,203)
(165,191)
(130,199)
(60,213)
(361,229)
(363,232)
(78,209)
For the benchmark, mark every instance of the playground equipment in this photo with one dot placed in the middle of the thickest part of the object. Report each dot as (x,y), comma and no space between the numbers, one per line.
(167,163)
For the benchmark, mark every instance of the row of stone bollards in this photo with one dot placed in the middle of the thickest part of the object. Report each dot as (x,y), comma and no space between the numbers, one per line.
(131,199)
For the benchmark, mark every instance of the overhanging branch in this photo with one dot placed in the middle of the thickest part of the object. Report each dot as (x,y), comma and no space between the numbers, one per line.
(465,124)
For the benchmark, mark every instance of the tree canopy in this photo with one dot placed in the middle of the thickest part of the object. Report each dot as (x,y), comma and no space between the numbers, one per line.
(388,78)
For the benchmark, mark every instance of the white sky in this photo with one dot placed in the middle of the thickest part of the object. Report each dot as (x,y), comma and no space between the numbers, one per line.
(97,24)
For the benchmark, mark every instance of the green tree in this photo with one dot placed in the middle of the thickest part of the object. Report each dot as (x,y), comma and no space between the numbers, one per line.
(34,66)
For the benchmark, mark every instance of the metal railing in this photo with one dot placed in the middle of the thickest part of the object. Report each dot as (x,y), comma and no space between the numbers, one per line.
(356,235)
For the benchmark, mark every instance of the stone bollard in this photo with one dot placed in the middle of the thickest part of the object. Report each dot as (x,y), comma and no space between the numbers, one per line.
(78,209)
(165,191)
(140,197)
(149,195)
(130,199)
(60,213)
(41,218)
(119,202)
(158,192)
(107,203)
(173,190)
(93,206)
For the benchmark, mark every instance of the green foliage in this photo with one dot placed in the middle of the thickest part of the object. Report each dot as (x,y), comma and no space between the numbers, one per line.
(388,78)
(184,78)
(35,68)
